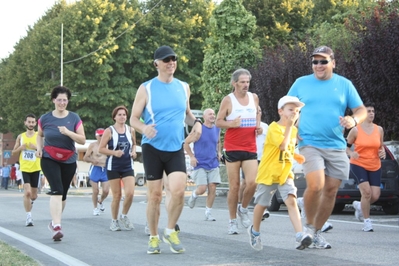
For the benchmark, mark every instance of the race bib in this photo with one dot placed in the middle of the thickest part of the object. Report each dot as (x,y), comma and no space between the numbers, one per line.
(29,155)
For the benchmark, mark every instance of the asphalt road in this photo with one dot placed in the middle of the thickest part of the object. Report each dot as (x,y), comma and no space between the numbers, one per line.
(88,240)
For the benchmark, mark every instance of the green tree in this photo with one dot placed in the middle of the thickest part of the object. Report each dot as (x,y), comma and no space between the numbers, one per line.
(280,22)
(183,25)
(230,46)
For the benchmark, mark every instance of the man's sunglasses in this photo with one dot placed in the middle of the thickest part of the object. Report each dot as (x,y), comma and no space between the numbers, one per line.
(322,62)
(167,59)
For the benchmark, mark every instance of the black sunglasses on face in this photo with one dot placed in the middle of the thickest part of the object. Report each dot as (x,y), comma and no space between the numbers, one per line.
(167,59)
(322,62)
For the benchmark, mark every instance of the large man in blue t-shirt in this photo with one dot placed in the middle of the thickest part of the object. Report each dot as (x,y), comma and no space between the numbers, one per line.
(205,161)
(320,133)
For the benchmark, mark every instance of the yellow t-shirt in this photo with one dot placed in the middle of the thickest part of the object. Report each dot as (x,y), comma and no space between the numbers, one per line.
(27,159)
(275,166)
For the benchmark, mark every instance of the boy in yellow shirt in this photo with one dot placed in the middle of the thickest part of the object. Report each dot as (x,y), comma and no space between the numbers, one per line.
(274,172)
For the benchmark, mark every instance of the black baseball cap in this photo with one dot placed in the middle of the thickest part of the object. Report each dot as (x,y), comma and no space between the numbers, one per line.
(164,52)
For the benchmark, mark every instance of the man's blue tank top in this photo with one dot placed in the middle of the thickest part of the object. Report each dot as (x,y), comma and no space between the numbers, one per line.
(205,149)
(166,108)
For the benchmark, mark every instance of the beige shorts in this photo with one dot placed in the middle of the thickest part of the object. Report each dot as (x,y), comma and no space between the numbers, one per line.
(205,177)
(264,193)
(334,162)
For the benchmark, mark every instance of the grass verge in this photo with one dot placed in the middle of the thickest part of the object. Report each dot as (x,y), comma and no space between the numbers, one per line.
(12,256)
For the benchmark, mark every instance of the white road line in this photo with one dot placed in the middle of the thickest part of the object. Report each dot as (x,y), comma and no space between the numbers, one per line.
(62,257)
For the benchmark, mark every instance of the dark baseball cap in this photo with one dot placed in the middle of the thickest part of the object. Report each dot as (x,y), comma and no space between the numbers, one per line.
(323,51)
(164,52)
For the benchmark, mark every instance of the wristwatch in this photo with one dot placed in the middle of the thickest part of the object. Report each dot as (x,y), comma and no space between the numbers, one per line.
(356,120)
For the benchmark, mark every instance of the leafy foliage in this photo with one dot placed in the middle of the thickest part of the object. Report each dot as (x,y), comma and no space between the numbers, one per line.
(374,69)
(230,46)
(280,22)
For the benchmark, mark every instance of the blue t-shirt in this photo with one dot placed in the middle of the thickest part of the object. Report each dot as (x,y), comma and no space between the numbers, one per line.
(52,136)
(6,171)
(205,149)
(166,108)
(325,101)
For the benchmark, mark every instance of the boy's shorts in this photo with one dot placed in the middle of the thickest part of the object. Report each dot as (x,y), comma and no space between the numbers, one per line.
(264,193)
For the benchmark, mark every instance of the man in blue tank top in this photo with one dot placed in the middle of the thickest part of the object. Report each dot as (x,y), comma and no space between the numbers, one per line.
(205,161)
(163,104)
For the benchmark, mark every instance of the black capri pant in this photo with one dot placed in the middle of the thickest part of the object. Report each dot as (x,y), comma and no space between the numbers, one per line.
(59,176)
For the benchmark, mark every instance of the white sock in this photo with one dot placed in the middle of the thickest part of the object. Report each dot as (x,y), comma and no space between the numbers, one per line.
(367,220)
(208,209)
(123,215)
(169,231)
(194,195)
(157,236)
(28,214)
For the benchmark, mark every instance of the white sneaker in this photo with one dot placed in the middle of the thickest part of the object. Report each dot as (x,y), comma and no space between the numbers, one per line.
(326,227)
(191,201)
(301,207)
(303,240)
(29,221)
(254,241)
(245,221)
(126,224)
(147,229)
(320,242)
(368,226)
(102,208)
(209,217)
(96,212)
(115,226)
(358,210)
(233,227)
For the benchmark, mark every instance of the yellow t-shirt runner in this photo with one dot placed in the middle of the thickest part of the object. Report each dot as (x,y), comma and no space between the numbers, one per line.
(27,159)
(275,166)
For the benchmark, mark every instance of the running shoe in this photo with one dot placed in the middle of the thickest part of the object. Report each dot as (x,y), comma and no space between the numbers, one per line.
(254,241)
(209,217)
(368,226)
(125,222)
(102,208)
(153,245)
(147,229)
(309,229)
(266,215)
(301,207)
(326,227)
(245,221)
(319,242)
(358,210)
(56,231)
(174,242)
(115,226)
(29,221)
(96,212)
(303,240)
(233,227)
(191,201)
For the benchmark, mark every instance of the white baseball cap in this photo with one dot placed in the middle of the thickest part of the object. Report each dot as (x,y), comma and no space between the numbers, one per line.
(289,99)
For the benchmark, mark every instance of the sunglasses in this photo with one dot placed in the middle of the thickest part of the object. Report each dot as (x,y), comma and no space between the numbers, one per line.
(167,59)
(322,62)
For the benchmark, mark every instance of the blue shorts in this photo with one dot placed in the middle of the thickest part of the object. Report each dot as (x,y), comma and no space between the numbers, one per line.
(363,175)
(98,174)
